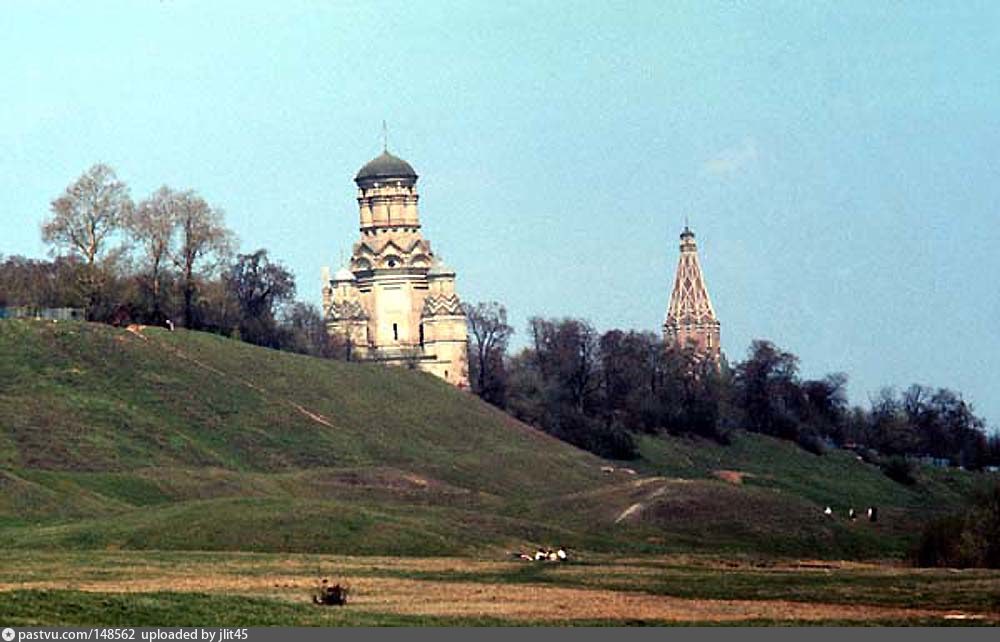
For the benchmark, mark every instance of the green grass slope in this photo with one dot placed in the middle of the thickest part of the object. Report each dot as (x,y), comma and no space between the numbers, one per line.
(776,492)
(184,440)
(85,397)
(110,438)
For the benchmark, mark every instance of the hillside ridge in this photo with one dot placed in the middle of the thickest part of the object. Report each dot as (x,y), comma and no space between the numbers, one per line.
(191,440)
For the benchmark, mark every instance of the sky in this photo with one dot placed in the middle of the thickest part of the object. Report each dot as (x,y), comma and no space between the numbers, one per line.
(839,162)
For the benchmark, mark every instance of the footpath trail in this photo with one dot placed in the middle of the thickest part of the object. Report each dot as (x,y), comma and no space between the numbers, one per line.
(137,331)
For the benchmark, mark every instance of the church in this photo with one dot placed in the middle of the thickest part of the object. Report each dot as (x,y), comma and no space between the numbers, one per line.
(394,302)
(691,320)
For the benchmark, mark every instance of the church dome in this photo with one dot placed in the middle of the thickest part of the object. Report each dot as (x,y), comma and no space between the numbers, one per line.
(440,269)
(385,165)
(343,274)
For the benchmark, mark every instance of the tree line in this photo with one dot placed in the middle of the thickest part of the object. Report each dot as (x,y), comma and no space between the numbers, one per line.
(598,390)
(166,257)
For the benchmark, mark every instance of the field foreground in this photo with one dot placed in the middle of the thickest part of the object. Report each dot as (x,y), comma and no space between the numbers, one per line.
(251,589)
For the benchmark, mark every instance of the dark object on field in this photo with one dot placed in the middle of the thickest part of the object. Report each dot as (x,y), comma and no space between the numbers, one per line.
(852,515)
(326,595)
(872,514)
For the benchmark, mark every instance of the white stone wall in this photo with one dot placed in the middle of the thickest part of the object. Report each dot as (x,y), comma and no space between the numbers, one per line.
(393,269)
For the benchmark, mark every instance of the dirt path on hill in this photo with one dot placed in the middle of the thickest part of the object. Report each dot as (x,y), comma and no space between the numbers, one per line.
(636,509)
(177,352)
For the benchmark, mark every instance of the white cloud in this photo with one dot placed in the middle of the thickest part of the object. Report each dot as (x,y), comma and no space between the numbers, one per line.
(732,159)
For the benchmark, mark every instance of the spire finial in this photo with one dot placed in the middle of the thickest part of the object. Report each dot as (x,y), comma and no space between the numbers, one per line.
(385,137)
(686,225)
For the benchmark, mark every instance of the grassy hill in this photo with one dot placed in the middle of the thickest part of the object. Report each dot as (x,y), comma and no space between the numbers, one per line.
(184,440)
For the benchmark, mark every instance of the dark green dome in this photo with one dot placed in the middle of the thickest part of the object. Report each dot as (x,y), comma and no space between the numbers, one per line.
(385,165)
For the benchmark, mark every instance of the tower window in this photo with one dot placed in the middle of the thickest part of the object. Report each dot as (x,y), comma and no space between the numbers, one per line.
(395,332)
(421,335)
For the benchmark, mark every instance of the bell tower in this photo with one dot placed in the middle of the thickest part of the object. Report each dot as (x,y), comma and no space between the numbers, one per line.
(691,320)
(395,301)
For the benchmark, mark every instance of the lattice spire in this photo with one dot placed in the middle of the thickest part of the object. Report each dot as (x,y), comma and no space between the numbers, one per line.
(691,317)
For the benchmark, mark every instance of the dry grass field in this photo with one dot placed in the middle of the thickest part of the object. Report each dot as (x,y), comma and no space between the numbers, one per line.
(260,589)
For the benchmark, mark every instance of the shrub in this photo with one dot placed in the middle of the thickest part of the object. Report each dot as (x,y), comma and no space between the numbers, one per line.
(869,456)
(938,545)
(608,440)
(969,539)
(811,442)
(900,469)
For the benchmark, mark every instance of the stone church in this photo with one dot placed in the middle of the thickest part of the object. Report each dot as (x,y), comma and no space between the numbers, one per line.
(395,301)
(691,319)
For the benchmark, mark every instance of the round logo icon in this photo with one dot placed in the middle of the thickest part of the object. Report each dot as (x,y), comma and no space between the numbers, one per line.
(8,634)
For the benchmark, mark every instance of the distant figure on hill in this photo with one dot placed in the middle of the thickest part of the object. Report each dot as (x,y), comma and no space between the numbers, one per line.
(828,511)
(170,325)
(872,514)
(853,516)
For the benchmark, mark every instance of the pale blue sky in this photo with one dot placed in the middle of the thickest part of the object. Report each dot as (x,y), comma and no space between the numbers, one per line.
(839,163)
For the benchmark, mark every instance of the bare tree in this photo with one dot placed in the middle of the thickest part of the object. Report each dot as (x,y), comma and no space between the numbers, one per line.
(88,213)
(304,331)
(153,226)
(202,245)
(566,352)
(260,286)
(579,339)
(489,333)
(85,219)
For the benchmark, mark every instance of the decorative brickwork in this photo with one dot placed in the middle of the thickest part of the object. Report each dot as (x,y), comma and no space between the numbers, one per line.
(441,305)
(691,319)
